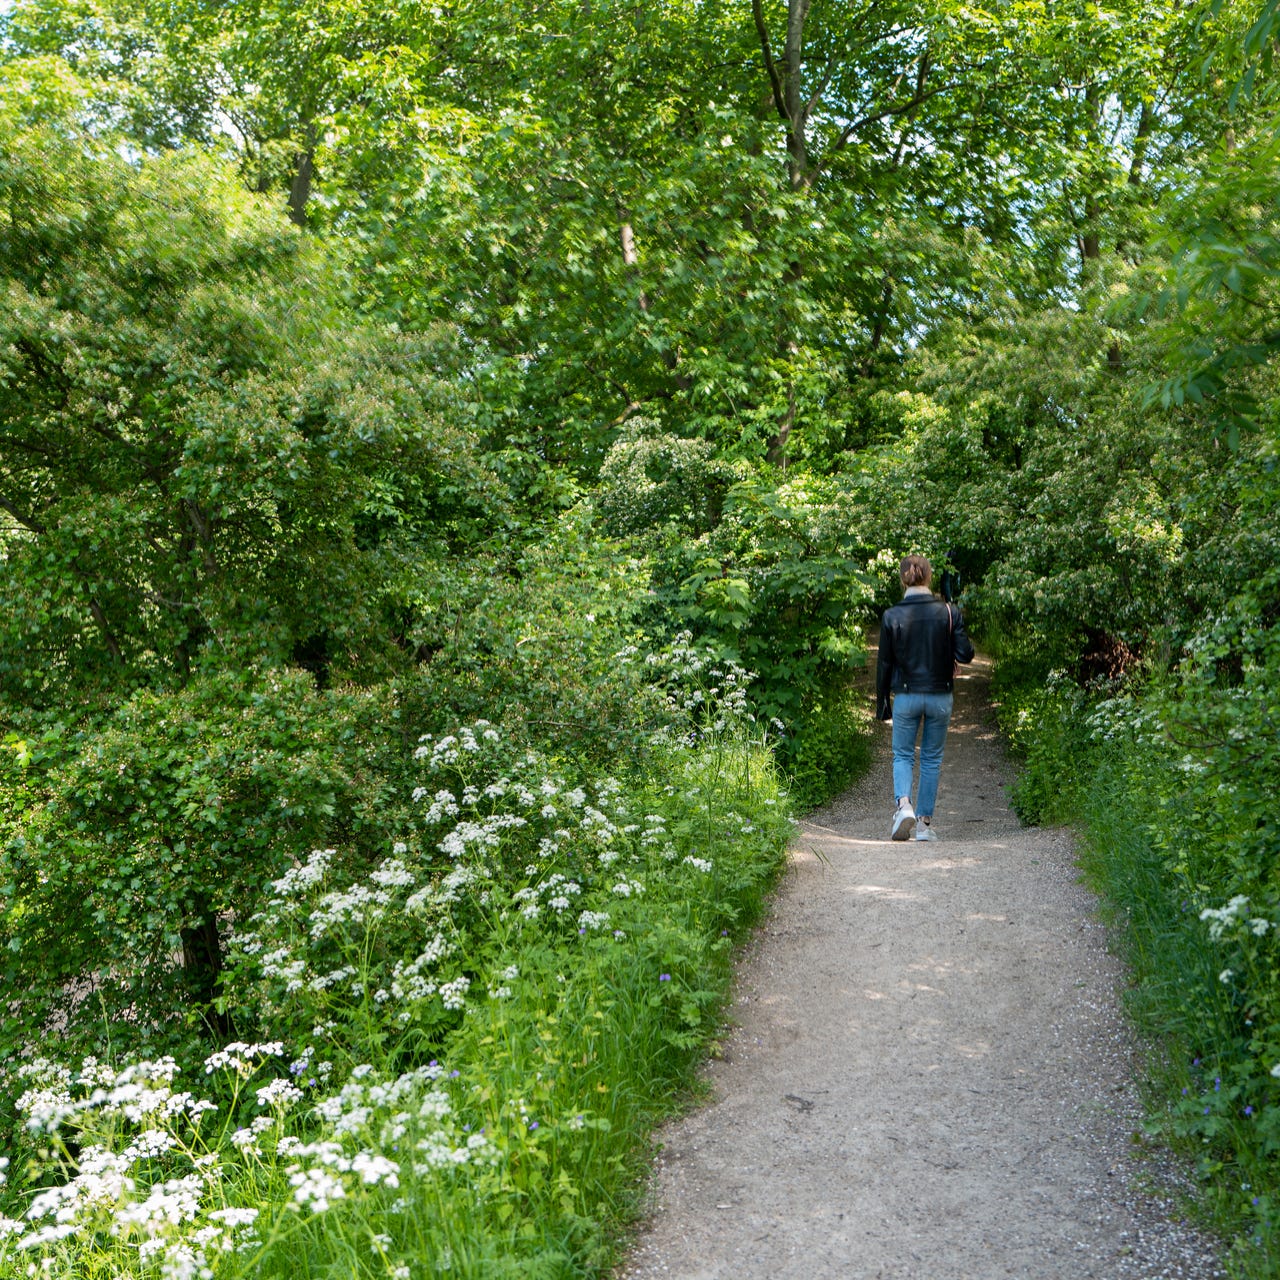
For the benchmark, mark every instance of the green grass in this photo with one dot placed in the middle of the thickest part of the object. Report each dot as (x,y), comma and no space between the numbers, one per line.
(1197,1069)
(1152,847)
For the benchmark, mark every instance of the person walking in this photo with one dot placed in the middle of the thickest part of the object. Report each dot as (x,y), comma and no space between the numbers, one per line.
(921,640)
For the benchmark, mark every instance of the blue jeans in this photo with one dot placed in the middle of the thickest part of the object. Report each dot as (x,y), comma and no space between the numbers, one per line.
(910,711)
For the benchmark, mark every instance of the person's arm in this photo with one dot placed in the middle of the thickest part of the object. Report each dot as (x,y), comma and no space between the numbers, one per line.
(961,645)
(884,673)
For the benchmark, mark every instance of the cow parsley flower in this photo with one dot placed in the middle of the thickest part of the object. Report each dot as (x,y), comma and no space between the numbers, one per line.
(315,1189)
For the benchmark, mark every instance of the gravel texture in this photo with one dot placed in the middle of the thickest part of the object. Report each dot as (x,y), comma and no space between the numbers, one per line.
(928,1075)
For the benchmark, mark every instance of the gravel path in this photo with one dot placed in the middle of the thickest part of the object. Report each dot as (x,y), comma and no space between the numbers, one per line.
(929,1075)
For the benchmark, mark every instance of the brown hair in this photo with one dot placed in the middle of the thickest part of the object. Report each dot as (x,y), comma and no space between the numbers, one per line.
(915,571)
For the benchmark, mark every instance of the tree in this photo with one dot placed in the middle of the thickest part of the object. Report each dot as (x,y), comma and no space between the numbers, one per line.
(213,475)
(198,447)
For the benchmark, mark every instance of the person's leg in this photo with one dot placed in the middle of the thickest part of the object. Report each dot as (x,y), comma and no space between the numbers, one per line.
(936,714)
(908,711)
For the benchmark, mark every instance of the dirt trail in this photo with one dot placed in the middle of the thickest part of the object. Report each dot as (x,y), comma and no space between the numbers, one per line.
(929,1075)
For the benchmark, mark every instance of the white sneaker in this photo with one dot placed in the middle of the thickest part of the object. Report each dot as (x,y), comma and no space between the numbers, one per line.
(904,818)
(925,833)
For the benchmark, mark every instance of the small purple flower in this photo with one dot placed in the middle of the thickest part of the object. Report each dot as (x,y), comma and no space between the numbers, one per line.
(1249,1111)
(1255,1200)
(1206,1110)
(664,977)
(533,1124)
(454,1074)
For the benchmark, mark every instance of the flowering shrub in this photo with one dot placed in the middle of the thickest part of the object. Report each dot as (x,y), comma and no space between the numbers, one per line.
(454,1050)
(778,583)
(164,1182)
(161,824)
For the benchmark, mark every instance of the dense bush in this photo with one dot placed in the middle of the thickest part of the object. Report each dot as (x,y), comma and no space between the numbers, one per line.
(214,459)
(160,822)
(769,572)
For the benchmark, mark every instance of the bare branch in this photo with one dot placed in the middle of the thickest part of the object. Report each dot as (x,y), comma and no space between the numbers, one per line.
(918,98)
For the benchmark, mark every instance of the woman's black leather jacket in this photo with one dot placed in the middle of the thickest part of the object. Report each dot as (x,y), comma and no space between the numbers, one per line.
(921,640)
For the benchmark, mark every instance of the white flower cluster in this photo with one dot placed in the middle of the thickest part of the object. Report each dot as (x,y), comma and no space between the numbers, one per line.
(702,684)
(448,750)
(300,879)
(137,1093)
(1123,717)
(558,891)
(453,995)
(161,1193)
(485,835)
(410,1108)
(165,1215)
(293,938)
(238,1056)
(279,1095)
(1222,920)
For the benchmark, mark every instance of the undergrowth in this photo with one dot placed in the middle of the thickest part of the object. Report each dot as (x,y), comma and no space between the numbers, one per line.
(446,1064)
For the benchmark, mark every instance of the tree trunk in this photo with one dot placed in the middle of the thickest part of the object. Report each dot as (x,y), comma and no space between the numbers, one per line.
(304,163)
(631,260)
(793,95)
(202,965)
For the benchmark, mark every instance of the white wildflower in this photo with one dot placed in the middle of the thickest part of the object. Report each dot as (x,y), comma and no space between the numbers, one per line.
(150,1143)
(316,1189)
(235,1217)
(392,874)
(374,1169)
(279,1093)
(453,994)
